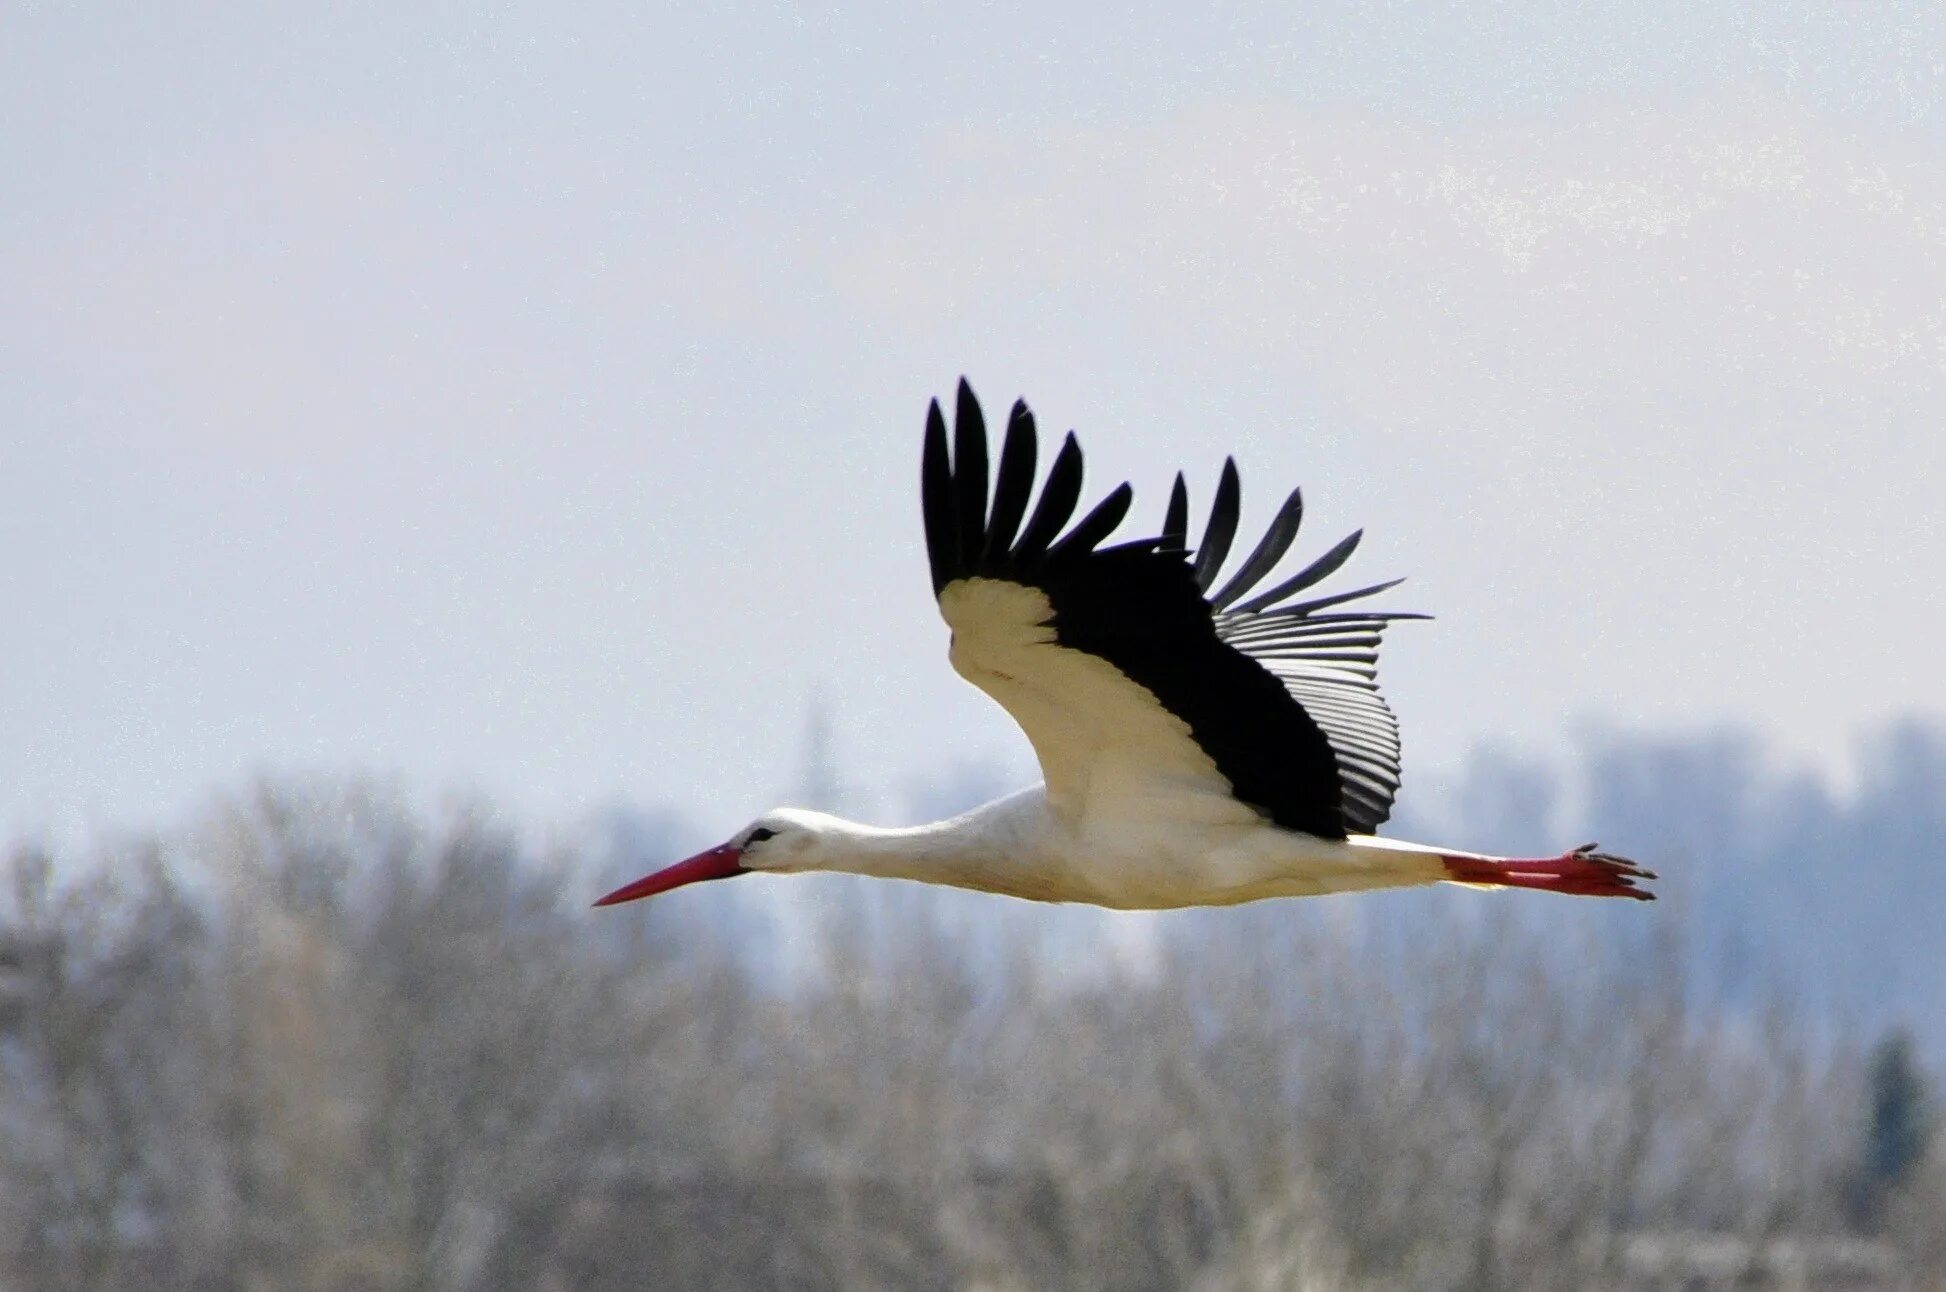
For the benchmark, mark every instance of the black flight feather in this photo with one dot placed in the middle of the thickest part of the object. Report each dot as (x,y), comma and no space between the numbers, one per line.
(970,473)
(1058,497)
(1222,526)
(938,503)
(1013,486)
(1276,541)
(1307,609)
(1310,574)
(1096,525)
(1175,525)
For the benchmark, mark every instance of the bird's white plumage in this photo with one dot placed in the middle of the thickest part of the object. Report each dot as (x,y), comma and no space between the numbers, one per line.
(1018,847)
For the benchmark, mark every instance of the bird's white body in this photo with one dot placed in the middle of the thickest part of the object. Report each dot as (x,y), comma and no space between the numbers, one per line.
(1017,847)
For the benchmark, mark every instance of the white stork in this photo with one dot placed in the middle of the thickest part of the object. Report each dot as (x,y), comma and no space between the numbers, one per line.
(1202,743)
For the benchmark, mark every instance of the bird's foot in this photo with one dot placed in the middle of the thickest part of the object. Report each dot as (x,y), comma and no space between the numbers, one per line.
(1584,872)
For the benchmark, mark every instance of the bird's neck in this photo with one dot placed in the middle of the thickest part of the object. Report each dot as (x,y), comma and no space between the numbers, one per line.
(982,849)
(933,852)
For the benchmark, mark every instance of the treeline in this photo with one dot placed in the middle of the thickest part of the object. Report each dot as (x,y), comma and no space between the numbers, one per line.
(329,1039)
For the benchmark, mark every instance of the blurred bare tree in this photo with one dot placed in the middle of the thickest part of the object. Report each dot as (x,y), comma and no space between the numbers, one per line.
(331,1039)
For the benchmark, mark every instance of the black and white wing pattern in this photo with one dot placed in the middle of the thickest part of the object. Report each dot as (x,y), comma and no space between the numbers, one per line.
(1326,658)
(1132,681)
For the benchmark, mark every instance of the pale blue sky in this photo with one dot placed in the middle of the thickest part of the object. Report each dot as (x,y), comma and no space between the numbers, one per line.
(530,402)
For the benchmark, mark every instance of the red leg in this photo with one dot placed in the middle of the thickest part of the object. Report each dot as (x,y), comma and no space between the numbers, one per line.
(1583,873)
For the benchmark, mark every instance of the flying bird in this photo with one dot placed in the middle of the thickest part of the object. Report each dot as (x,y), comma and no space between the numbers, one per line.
(1203,740)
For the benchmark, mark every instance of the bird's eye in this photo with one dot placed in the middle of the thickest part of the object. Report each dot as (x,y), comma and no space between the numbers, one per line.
(759,834)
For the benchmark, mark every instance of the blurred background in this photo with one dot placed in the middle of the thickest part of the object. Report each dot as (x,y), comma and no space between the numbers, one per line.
(457,458)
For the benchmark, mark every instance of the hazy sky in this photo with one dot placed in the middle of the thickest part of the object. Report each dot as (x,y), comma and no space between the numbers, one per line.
(530,401)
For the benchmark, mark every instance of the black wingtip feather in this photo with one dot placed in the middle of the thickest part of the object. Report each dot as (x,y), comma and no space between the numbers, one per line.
(1306,609)
(1175,524)
(970,474)
(1058,498)
(937,501)
(1310,574)
(1014,485)
(1096,525)
(1222,528)
(1276,541)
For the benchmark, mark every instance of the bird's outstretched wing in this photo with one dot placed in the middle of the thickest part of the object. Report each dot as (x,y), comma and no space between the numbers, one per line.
(1134,683)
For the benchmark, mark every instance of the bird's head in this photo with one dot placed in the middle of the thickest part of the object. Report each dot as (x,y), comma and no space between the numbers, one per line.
(783,840)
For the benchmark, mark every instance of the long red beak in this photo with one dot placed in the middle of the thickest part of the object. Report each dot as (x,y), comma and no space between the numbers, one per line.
(718,863)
